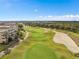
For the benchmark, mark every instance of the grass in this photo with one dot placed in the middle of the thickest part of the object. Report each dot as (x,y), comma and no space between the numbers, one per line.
(2,47)
(18,52)
(40,51)
(37,36)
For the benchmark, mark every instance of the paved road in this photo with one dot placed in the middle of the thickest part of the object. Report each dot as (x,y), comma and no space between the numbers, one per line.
(63,38)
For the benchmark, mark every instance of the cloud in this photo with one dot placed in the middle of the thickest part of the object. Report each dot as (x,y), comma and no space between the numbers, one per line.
(59,18)
(44,18)
(50,16)
(35,10)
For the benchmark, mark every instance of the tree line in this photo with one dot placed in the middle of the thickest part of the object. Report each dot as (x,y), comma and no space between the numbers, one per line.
(63,25)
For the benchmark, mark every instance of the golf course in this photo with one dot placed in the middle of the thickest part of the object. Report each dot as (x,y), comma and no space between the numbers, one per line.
(40,45)
(40,51)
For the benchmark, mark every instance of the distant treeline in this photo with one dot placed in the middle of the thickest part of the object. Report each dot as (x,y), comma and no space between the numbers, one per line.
(63,25)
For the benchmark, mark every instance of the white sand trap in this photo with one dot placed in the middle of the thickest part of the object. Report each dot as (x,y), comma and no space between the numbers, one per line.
(63,38)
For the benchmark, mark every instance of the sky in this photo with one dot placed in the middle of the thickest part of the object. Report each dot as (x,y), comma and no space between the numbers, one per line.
(32,10)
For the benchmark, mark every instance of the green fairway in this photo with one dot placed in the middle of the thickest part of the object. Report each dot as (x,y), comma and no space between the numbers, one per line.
(40,51)
(30,48)
(36,35)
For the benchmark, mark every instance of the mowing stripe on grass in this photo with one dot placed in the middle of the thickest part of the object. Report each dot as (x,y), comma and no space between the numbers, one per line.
(40,51)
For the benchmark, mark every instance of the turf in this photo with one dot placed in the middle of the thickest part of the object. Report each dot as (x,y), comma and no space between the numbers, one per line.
(37,35)
(40,51)
(34,35)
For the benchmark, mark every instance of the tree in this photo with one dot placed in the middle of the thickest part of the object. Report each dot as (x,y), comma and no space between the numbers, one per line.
(20,26)
(21,30)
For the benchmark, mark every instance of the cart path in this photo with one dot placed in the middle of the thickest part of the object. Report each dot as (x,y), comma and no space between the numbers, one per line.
(63,38)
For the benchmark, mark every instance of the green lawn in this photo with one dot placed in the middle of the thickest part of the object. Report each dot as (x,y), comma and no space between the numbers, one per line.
(34,38)
(48,48)
(40,51)
(2,47)
(38,34)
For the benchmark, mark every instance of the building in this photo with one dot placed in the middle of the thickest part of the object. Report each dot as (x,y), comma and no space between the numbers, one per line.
(8,32)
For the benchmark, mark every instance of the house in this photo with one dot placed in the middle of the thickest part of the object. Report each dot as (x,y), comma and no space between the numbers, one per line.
(8,32)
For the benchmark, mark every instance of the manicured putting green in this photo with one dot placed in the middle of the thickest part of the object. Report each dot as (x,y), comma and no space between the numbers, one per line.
(40,51)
